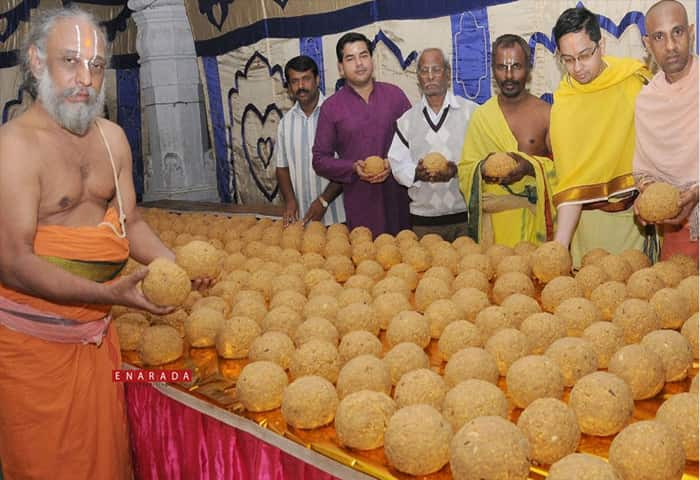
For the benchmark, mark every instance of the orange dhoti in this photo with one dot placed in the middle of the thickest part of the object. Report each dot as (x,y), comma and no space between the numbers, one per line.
(61,416)
(678,240)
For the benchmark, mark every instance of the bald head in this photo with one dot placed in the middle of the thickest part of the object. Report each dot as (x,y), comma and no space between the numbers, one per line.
(669,38)
(665,7)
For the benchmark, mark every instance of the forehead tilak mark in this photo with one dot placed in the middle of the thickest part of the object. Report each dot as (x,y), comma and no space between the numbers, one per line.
(94,55)
(89,42)
(77,33)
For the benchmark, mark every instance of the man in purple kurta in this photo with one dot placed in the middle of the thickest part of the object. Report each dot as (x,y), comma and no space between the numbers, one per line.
(355,123)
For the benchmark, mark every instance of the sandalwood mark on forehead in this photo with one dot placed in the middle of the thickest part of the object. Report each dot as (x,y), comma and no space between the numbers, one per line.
(94,55)
(77,33)
(86,43)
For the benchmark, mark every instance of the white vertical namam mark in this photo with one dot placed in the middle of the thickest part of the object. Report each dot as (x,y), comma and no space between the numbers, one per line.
(77,32)
(94,45)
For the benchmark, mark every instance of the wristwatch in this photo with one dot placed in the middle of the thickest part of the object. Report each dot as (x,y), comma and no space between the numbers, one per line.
(323,201)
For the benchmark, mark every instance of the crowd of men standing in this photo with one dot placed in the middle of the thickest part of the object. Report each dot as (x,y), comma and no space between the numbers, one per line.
(580,164)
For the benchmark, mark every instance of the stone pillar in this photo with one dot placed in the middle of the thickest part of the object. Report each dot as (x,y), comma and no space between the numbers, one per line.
(178,167)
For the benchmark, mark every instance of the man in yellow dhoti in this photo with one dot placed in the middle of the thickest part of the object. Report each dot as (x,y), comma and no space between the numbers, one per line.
(518,206)
(592,134)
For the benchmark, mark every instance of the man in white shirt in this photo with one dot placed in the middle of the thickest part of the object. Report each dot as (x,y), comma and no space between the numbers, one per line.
(437,123)
(302,190)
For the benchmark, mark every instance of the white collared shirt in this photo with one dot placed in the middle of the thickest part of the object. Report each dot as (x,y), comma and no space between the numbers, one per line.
(295,138)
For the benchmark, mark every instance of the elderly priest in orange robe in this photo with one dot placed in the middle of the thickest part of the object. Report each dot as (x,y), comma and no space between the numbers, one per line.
(67,203)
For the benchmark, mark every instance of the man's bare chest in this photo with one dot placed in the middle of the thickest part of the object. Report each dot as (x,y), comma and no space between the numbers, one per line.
(529,130)
(70,177)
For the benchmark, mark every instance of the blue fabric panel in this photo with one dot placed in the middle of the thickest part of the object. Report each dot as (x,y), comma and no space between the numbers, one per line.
(471,55)
(129,117)
(313,47)
(547,97)
(224,165)
(337,21)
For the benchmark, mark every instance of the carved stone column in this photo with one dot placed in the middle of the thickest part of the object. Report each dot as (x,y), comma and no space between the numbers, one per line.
(178,167)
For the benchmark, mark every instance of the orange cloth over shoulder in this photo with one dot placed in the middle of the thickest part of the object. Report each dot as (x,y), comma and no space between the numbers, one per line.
(61,416)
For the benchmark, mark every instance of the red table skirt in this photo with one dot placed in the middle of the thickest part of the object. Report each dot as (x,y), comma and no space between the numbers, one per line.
(173,441)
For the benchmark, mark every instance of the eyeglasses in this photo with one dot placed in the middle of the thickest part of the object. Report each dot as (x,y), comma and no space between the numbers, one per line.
(583,57)
(428,69)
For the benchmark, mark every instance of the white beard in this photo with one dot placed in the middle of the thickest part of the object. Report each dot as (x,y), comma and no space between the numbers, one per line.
(74,117)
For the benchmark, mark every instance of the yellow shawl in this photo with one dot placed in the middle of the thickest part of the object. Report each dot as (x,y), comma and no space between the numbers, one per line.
(592,132)
(495,215)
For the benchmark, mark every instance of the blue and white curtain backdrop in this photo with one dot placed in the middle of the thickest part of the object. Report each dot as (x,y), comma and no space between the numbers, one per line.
(122,103)
(243,46)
